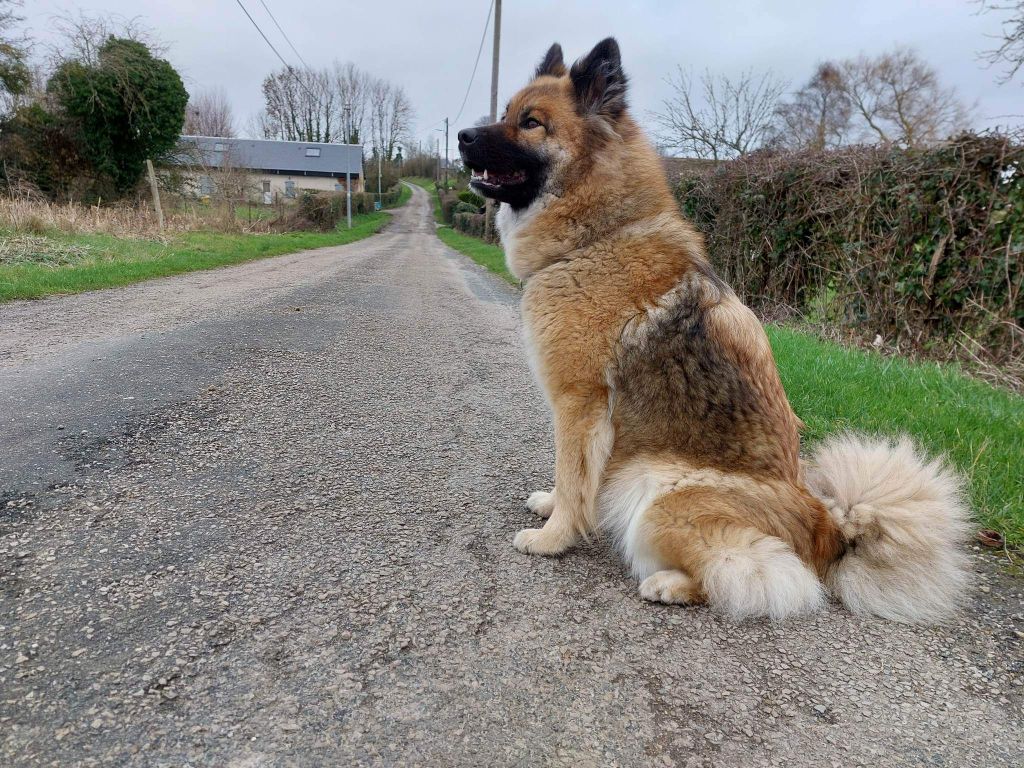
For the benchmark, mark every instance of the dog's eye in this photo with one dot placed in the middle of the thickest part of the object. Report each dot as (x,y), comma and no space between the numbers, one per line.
(532,122)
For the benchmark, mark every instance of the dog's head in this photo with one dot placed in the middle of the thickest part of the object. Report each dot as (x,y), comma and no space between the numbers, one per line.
(555,120)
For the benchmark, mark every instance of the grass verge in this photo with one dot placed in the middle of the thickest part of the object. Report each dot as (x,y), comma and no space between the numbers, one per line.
(105,261)
(485,254)
(977,426)
(835,388)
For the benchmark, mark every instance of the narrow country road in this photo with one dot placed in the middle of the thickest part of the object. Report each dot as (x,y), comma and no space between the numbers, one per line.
(262,516)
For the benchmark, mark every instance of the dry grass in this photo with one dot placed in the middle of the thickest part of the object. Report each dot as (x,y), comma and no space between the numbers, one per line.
(22,249)
(133,221)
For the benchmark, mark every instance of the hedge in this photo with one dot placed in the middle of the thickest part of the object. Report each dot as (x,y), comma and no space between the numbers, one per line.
(470,223)
(923,247)
(324,211)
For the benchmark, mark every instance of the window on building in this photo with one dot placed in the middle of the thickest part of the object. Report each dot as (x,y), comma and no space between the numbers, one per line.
(289,188)
(220,146)
(312,151)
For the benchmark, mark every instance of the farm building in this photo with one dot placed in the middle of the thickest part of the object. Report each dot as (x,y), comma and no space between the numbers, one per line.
(263,170)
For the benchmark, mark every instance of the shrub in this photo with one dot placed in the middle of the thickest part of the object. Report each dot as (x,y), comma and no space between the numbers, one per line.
(471,197)
(921,246)
(470,223)
(316,211)
(462,207)
(126,106)
(448,202)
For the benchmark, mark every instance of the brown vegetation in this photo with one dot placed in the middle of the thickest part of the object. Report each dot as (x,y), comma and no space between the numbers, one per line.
(923,248)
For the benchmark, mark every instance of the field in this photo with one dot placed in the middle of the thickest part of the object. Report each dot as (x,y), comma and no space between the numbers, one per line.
(834,388)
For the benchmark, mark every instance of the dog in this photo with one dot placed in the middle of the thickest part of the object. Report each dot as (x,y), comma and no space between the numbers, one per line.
(673,434)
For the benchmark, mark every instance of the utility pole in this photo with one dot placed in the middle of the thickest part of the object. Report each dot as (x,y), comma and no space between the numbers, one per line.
(494,61)
(446,153)
(494,101)
(348,172)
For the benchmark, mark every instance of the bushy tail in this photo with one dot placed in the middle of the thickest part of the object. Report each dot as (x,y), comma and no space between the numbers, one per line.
(903,519)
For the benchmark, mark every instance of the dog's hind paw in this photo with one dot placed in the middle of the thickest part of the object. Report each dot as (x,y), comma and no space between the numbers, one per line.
(541,503)
(673,587)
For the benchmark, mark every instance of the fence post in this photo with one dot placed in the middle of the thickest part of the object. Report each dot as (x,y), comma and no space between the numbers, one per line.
(156,193)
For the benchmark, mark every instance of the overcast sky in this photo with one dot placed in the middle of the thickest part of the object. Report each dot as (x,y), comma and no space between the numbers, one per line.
(429,47)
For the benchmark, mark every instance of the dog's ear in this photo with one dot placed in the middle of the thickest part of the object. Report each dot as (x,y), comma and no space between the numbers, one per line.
(552,63)
(599,80)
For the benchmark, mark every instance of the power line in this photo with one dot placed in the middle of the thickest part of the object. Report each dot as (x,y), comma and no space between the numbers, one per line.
(483,37)
(288,67)
(286,39)
(265,38)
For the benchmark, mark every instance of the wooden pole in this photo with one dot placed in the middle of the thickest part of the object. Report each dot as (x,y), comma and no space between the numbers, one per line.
(494,103)
(156,193)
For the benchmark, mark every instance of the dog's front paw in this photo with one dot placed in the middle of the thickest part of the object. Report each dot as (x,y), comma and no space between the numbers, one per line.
(541,503)
(542,541)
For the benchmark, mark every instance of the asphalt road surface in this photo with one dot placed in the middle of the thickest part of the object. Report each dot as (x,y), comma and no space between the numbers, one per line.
(263,515)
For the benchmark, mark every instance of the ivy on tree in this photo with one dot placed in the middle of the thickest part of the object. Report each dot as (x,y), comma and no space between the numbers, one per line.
(127,107)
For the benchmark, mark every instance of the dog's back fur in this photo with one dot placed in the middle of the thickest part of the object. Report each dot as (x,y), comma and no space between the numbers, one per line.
(672,428)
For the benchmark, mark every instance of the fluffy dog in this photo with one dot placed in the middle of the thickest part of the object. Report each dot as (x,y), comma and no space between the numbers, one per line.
(672,430)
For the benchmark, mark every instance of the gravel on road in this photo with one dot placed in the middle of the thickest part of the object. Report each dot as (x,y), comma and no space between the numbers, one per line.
(262,516)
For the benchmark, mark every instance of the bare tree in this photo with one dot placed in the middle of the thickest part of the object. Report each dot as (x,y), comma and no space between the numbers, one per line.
(301,105)
(258,126)
(81,36)
(897,99)
(391,115)
(1010,50)
(352,86)
(209,114)
(727,118)
(818,116)
(321,105)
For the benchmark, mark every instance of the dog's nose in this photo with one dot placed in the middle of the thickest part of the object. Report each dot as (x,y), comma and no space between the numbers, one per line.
(467,135)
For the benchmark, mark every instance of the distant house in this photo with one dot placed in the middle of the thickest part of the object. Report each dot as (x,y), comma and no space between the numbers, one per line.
(264,170)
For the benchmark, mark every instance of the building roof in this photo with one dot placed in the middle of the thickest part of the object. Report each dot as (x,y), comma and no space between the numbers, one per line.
(308,158)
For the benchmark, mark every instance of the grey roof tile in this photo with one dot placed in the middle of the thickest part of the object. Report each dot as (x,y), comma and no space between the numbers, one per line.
(270,155)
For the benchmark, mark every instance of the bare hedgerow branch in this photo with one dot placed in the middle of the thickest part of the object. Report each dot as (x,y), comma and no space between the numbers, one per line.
(727,119)
(1009,50)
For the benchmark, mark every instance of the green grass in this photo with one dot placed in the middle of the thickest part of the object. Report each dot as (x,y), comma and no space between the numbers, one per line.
(110,261)
(404,195)
(428,184)
(489,256)
(58,262)
(979,427)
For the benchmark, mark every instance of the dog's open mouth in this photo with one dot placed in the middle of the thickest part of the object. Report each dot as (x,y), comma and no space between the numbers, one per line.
(495,180)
